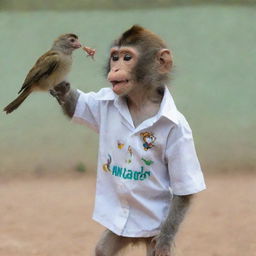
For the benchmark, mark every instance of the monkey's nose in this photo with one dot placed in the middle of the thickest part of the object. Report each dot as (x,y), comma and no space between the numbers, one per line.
(116,69)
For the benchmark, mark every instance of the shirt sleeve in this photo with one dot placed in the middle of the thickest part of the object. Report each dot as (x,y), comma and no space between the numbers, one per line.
(87,110)
(185,173)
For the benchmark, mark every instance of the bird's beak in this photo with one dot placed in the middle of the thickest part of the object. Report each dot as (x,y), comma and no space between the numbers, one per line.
(77,45)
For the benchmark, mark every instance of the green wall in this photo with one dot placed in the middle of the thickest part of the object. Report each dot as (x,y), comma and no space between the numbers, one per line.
(213,82)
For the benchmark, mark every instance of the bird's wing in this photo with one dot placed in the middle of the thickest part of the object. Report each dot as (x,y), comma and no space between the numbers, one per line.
(43,68)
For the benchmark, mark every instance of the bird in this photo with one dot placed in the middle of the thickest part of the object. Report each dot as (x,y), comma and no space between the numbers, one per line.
(49,70)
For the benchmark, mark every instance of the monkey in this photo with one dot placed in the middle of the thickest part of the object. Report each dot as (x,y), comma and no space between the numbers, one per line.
(144,199)
(49,70)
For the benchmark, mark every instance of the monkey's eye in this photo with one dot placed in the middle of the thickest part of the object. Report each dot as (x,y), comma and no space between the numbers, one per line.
(115,57)
(72,40)
(127,57)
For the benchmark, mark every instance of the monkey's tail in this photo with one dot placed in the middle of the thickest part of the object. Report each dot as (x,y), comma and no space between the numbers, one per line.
(15,104)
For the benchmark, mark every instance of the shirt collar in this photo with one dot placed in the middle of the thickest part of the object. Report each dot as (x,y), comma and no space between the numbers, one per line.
(167,109)
(106,94)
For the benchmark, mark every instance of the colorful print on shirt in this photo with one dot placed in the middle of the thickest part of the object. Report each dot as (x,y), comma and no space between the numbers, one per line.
(126,173)
(130,174)
(147,162)
(130,155)
(120,144)
(148,139)
(106,166)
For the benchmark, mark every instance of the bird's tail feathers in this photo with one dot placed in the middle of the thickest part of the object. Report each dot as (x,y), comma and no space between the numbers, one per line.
(15,104)
(23,88)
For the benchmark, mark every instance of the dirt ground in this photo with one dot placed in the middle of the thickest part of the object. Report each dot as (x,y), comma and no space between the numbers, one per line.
(51,216)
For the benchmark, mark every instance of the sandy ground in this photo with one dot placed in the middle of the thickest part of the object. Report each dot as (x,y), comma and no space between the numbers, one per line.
(51,216)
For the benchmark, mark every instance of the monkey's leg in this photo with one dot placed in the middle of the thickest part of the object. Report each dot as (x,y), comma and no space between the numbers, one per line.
(110,244)
(149,247)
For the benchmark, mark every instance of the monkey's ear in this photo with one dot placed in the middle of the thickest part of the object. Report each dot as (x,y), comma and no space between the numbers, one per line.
(165,60)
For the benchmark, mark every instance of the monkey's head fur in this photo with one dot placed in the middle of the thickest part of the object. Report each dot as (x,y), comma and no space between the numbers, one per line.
(139,37)
(146,71)
(67,43)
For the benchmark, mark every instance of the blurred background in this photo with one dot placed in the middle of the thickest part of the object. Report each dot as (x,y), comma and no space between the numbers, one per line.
(213,80)
(44,211)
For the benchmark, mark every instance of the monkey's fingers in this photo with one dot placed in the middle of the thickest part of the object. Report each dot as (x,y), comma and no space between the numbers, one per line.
(56,95)
(62,88)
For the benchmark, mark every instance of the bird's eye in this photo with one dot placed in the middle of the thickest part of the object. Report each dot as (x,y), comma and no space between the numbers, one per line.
(115,57)
(72,40)
(127,57)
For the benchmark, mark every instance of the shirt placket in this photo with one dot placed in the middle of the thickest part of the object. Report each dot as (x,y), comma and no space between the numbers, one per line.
(124,112)
(124,207)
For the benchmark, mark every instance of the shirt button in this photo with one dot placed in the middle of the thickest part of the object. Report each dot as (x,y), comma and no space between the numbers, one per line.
(125,211)
(120,186)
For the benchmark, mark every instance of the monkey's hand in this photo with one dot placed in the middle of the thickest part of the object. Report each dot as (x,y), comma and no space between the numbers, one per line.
(161,245)
(66,96)
(60,92)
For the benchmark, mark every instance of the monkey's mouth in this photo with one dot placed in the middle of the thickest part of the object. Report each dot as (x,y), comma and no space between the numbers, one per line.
(118,82)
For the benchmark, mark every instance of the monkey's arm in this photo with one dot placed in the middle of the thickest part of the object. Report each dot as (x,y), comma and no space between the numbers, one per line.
(163,242)
(67,97)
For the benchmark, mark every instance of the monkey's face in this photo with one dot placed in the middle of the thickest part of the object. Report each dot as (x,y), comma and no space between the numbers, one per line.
(122,62)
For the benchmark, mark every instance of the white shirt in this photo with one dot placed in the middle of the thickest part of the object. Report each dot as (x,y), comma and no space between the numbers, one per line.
(138,168)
